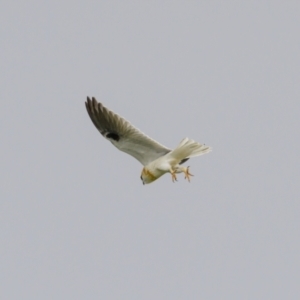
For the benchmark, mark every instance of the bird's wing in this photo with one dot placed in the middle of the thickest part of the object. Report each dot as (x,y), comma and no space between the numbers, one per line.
(123,135)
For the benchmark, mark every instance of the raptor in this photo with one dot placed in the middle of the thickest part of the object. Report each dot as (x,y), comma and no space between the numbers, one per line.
(156,158)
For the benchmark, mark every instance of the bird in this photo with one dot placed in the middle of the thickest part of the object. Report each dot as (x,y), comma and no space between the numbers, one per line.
(156,159)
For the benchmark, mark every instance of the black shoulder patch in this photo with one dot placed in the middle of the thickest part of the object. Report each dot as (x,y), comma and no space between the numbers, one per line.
(113,136)
(183,161)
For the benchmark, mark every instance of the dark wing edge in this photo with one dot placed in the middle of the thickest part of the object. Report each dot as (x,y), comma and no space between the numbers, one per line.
(98,112)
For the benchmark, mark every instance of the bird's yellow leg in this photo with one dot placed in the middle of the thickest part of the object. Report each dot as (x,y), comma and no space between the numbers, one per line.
(187,174)
(173,174)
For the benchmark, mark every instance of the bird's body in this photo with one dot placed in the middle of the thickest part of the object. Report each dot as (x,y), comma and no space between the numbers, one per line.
(156,158)
(155,169)
(171,161)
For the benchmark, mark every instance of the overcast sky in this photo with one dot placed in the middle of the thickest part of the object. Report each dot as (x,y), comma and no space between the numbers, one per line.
(76,221)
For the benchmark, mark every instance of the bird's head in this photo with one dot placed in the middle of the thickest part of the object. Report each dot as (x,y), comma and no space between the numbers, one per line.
(147,176)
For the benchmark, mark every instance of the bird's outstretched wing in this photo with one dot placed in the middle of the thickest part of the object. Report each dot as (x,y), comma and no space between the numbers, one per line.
(123,135)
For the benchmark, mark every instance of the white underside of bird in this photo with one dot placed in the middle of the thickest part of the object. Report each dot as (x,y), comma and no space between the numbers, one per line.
(170,163)
(156,158)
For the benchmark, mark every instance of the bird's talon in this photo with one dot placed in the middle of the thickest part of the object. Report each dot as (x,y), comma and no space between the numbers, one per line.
(187,174)
(174,178)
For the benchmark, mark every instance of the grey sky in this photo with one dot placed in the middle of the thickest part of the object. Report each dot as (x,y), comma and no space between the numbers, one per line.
(76,221)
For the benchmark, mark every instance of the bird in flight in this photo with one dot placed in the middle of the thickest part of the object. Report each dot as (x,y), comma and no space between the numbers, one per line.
(156,158)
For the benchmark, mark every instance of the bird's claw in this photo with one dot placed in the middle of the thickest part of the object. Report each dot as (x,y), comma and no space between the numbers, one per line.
(174,178)
(187,174)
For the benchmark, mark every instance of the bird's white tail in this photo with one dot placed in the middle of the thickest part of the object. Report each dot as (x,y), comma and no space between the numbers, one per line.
(188,148)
